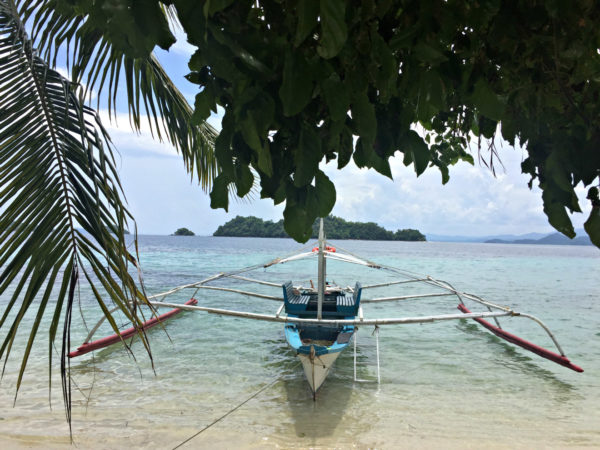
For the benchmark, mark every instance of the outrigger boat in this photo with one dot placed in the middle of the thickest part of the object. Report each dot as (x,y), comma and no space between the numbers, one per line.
(320,322)
(319,345)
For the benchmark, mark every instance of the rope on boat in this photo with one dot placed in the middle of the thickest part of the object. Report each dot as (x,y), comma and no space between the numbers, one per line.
(355,339)
(252,280)
(232,410)
(376,333)
(391,283)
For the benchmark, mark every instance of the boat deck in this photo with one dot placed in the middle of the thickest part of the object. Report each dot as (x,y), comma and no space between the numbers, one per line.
(336,302)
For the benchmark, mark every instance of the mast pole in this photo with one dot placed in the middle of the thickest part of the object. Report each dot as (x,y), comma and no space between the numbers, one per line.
(321,282)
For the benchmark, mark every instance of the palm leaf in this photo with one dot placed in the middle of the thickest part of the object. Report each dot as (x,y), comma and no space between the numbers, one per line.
(94,59)
(62,214)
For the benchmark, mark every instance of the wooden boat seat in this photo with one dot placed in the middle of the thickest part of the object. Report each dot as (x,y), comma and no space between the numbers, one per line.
(335,305)
(294,302)
(348,304)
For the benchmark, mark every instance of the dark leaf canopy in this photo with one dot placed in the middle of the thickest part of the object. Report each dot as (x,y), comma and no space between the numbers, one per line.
(302,81)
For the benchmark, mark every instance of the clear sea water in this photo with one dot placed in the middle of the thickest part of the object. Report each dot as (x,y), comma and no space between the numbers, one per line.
(443,385)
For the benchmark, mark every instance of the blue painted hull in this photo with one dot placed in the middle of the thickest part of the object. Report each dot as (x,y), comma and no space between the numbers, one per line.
(318,346)
(302,339)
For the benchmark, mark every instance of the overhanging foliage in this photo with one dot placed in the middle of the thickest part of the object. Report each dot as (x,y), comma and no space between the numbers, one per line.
(299,79)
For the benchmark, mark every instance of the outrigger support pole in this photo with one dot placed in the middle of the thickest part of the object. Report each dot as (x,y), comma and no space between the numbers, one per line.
(321,287)
(560,359)
(544,353)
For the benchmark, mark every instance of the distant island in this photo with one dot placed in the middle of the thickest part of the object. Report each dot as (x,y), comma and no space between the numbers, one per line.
(335,228)
(551,239)
(183,232)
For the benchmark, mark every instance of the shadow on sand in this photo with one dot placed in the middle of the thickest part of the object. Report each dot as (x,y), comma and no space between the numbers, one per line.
(319,418)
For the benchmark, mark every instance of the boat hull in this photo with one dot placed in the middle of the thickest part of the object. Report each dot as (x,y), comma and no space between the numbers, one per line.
(316,368)
(318,348)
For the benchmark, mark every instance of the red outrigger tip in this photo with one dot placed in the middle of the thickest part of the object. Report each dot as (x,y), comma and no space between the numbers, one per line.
(114,338)
(544,353)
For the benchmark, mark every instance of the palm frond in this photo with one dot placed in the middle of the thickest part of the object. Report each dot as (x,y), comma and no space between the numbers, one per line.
(149,90)
(62,218)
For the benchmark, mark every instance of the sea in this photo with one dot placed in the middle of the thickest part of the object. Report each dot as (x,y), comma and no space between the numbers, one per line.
(230,383)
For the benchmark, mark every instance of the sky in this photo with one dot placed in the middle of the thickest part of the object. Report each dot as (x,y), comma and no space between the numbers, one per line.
(162,197)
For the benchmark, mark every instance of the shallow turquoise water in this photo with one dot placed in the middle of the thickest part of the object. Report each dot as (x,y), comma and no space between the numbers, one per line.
(448,384)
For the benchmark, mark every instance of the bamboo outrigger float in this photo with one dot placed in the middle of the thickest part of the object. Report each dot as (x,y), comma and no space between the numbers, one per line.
(320,322)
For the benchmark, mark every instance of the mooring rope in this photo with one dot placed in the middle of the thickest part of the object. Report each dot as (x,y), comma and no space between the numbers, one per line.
(275,380)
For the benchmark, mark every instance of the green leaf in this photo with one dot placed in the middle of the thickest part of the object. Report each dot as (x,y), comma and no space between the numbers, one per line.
(508,128)
(487,127)
(403,37)
(418,151)
(486,101)
(307,156)
(297,85)
(293,221)
(261,147)
(244,180)
(308,13)
(213,6)
(264,160)
(223,151)
(556,169)
(381,165)
(219,195)
(362,154)
(297,219)
(432,91)
(345,148)
(467,158)
(151,22)
(386,76)
(262,109)
(336,96)
(203,105)
(325,193)
(363,116)
(592,226)
(429,54)
(445,174)
(556,212)
(365,156)
(250,133)
(333,28)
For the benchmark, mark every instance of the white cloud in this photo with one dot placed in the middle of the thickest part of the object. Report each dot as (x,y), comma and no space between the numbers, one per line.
(182,46)
(474,202)
(160,193)
(131,143)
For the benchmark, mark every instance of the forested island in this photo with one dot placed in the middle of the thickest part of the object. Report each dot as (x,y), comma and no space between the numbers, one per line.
(335,228)
(183,232)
